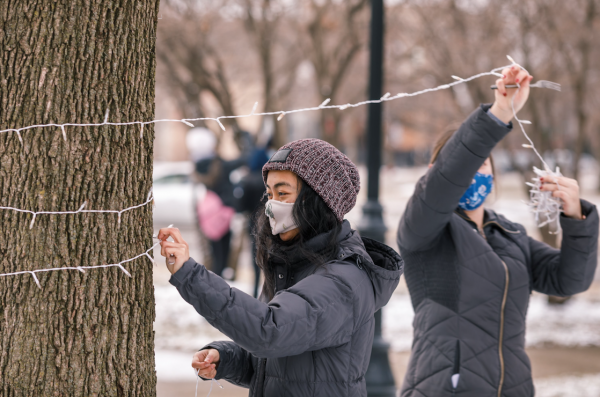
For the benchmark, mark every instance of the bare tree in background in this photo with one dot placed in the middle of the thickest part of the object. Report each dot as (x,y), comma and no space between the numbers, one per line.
(427,42)
(453,38)
(188,60)
(551,38)
(265,21)
(197,53)
(213,47)
(572,26)
(337,33)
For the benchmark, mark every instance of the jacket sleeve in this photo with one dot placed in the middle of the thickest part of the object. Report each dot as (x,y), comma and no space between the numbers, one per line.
(236,365)
(570,270)
(313,314)
(438,192)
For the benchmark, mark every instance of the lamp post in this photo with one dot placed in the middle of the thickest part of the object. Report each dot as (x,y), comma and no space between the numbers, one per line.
(379,377)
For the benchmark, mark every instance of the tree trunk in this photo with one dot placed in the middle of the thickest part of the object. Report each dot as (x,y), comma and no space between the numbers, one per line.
(580,82)
(81,334)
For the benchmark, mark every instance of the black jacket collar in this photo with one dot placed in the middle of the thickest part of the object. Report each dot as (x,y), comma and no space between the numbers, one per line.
(290,256)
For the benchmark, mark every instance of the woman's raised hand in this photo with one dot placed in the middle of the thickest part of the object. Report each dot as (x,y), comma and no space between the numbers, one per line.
(567,190)
(502,107)
(176,252)
(205,362)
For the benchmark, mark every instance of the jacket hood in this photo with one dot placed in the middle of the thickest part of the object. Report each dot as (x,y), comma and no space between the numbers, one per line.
(383,265)
(316,245)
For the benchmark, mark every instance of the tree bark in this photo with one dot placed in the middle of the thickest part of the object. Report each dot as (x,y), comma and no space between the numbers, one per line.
(81,334)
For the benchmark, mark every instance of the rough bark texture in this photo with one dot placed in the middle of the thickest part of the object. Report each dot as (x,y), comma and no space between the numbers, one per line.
(68,61)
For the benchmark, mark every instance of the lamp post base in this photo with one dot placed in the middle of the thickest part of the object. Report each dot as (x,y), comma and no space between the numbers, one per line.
(379,377)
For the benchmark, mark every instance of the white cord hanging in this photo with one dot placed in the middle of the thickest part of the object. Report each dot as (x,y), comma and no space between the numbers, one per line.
(547,209)
(81,209)
(279,114)
(83,268)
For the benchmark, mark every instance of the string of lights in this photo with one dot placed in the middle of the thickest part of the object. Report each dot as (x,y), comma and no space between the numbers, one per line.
(542,203)
(212,382)
(546,208)
(280,114)
(82,269)
(81,209)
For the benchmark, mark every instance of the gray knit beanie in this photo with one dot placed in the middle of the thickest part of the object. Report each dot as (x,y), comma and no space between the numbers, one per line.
(324,168)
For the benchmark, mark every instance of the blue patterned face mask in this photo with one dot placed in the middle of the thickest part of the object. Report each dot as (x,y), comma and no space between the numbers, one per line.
(476,193)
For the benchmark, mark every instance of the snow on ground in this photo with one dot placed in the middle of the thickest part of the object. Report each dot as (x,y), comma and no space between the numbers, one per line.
(178,326)
(397,318)
(575,323)
(174,366)
(569,386)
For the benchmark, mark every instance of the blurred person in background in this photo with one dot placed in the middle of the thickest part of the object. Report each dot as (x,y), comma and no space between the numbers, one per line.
(311,331)
(470,271)
(216,209)
(254,194)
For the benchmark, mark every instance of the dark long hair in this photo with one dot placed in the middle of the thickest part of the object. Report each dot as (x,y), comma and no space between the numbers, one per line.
(441,142)
(313,218)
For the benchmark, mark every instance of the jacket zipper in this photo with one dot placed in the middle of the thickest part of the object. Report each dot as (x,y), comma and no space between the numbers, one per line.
(260,378)
(500,354)
(501,338)
(501,227)
(504,297)
(488,223)
(482,233)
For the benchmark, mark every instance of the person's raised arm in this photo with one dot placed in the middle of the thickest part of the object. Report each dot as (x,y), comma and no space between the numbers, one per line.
(438,192)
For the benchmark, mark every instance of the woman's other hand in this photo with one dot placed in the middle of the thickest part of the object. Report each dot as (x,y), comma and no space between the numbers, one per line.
(176,252)
(205,362)
(567,190)
(502,107)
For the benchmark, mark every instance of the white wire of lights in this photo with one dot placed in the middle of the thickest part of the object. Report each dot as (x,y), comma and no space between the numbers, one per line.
(81,209)
(212,382)
(325,105)
(82,269)
(547,209)
(542,203)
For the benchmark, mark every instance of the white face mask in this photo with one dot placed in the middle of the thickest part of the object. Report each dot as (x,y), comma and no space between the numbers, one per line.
(280,216)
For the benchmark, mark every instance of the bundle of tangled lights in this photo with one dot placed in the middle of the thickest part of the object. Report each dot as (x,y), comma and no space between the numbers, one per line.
(546,208)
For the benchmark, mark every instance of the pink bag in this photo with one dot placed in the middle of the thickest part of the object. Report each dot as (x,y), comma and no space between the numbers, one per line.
(214,217)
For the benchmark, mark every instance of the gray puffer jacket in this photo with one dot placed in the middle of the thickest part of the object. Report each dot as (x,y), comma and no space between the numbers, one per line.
(470,288)
(314,337)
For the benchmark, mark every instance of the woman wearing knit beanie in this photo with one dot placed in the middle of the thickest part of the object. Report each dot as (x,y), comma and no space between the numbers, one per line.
(311,331)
